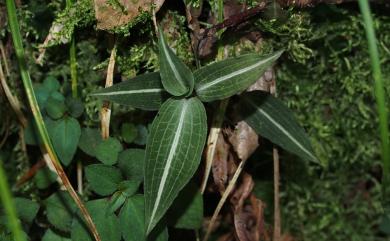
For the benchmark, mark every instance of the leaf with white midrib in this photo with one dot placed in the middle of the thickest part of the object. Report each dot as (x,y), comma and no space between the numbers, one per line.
(270,118)
(173,153)
(144,92)
(226,78)
(176,77)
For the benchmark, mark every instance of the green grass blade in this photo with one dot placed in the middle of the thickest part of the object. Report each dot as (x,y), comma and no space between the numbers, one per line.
(9,206)
(379,89)
(28,86)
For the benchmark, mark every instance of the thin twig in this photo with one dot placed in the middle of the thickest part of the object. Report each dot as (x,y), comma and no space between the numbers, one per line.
(105,112)
(15,104)
(7,72)
(225,195)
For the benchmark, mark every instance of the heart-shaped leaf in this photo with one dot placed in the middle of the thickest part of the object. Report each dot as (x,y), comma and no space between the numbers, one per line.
(226,78)
(103,179)
(60,208)
(52,236)
(176,77)
(144,92)
(65,134)
(270,118)
(131,162)
(108,150)
(89,140)
(173,152)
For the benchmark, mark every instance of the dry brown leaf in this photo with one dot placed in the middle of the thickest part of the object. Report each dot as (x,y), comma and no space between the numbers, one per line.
(244,140)
(109,17)
(242,192)
(220,164)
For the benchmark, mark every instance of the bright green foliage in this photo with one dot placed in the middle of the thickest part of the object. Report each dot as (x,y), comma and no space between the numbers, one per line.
(173,153)
(107,151)
(65,134)
(59,210)
(176,77)
(106,223)
(228,77)
(132,222)
(103,179)
(271,119)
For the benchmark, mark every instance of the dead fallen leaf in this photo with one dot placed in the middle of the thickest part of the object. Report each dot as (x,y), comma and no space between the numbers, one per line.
(109,17)
(220,164)
(244,140)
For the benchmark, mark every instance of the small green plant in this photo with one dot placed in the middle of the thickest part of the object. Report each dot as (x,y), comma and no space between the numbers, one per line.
(178,132)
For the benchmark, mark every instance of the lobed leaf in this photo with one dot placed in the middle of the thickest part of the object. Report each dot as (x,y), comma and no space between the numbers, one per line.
(176,77)
(173,153)
(226,78)
(144,92)
(270,118)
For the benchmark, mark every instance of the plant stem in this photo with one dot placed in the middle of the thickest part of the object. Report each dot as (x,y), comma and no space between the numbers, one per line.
(73,67)
(9,206)
(28,86)
(379,89)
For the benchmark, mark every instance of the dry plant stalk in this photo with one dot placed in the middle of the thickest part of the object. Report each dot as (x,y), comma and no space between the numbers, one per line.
(105,112)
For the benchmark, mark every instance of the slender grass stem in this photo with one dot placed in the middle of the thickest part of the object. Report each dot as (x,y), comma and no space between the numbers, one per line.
(28,86)
(379,89)
(9,206)
(73,67)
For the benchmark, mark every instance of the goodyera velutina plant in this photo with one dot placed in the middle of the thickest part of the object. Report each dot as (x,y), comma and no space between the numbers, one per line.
(178,132)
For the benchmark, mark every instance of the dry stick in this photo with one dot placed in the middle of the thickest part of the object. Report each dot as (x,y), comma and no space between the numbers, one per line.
(106,110)
(225,195)
(212,141)
(4,58)
(15,104)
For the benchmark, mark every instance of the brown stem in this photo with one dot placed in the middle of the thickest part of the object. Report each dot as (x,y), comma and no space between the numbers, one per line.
(277,220)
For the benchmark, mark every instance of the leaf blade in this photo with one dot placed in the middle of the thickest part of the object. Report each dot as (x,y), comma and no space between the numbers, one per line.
(144,92)
(270,118)
(226,78)
(176,77)
(173,154)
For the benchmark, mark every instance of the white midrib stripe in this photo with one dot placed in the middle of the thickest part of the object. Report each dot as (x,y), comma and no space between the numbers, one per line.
(173,67)
(124,92)
(171,154)
(233,74)
(286,132)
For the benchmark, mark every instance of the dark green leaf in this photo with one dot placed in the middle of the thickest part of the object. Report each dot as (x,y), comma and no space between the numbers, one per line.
(55,108)
(75,106)
(173,152)
(51,84)
(132,222)
(142,135)
(31,133)
(144,92)
(129,187)
(176,77)
(65,135)
(187,209)
(103,179)
(131,162)
(44,178)
(270,118)
(26,208)
(107,151)
(116,201)
(60,208)
(106,223)
(89,140)
(226,78)
(129,132)
(52,236)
